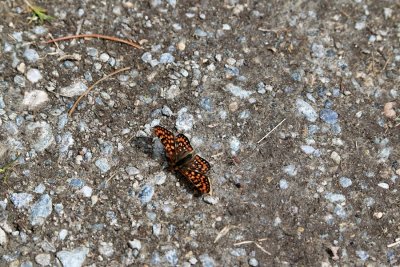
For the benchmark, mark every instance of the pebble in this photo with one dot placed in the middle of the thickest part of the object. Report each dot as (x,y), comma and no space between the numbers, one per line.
(307,149)
(41,134)
(74,258)
(77,183)
(21,200)
(103,165)
(135,244)
(318,50)
(166,111)
(75,89)
(33,75)
(336,157)
(328,116)
(234,145)
(41,210)
(106,249)
(132,171)
(199,33)
(206,104)
(345,182)
(62,234)
(206,260)
(172,257)
(333,197)
(383,185)
(283,184)
(39,30)
(290,170)
(31,55)
(184,121)
(35,98)
(156,229)
(306,110)
(146,194)
(43,259)
(253,262)
(65,142)
(210,199)
(160,178)
(363,255)
(3,238)
(237,91)
(167,58)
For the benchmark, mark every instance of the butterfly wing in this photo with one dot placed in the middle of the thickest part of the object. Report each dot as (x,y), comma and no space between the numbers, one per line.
(199,180)
(168,140)
(199,164)
(182,144)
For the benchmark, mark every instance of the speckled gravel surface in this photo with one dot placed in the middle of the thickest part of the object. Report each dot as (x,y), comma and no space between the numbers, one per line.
(92,189)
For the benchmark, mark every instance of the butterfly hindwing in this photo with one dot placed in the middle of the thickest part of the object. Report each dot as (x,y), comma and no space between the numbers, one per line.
(199,180)
(182,144)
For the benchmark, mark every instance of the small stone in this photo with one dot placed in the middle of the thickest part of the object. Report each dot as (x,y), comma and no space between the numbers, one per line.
(167,58)
(318,50)
(237,91)
(210,199)
(360,25)
(106,249)
(388,110)
(234,145)
(75,89)
(378,215)
(3,238)
(181,45)
(307,149)
(306,110)
(132,171)
(62,234)
(184,121)
(253,262)
(363,255)
(333,197)
(21,200)
(290,170)
(166,111)
(103,165)
(207,261)
(335,157)
(146,194)
(156,229)
(41,135)
(233,106)
(328,116)
(387,12)
(41,210)
(86,191)
(200,33)
(283,184)
(135,244)
(74,258)
(383,185)
(206,104)
(43,259)
(33,75)
(31,55)
(172,257)
(345,182)
(160,178)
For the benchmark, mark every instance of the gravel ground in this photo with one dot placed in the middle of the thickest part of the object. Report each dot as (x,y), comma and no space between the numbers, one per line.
(318,80)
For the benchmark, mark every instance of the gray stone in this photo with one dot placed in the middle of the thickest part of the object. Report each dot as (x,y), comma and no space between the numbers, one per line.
(41,210)
(74,258)
(75,89)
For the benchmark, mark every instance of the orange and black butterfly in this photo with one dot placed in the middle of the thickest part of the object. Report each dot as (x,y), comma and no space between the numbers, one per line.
(181,158)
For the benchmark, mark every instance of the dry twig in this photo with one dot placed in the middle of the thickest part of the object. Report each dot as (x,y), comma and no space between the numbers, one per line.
(94,35)
(91,87)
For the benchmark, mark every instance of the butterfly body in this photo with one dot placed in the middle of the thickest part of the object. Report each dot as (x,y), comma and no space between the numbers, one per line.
(182,158)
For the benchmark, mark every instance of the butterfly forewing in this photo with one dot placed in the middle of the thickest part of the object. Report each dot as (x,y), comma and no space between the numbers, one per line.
(199,164)
(168,140)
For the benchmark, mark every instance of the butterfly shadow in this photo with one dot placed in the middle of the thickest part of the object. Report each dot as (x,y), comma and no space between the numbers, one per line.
(144,144)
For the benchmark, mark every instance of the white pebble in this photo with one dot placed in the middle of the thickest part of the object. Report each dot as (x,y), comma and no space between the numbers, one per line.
(33,75)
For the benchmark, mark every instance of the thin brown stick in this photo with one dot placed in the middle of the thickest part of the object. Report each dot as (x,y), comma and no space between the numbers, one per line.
(94,35)
(91,87)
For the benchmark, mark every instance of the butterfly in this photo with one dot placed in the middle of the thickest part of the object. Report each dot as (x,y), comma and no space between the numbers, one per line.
(182,158)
